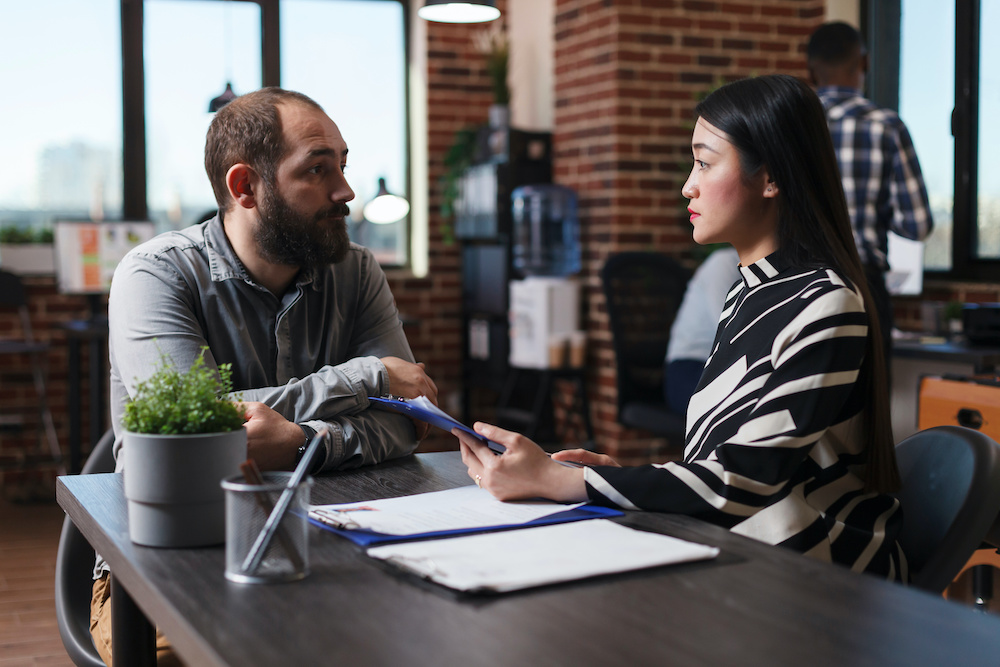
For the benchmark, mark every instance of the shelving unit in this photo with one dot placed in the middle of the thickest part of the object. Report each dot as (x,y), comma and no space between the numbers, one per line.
(483,225)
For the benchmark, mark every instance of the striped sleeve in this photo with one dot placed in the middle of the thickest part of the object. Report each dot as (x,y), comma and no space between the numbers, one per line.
(755,420)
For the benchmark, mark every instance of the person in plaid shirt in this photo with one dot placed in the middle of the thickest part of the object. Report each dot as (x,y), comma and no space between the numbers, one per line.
(879,168)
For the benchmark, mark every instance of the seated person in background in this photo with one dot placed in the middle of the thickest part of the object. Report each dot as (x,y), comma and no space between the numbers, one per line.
(788,434)
(273,286)
(694,327)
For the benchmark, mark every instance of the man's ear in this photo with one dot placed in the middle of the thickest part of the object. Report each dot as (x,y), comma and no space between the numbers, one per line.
(813,79)
(242,181)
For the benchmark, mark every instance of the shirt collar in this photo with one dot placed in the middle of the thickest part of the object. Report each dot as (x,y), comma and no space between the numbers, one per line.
(837,92)
(226,265)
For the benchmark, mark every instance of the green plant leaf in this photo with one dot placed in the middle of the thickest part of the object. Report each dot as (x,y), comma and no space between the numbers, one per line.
(170,402)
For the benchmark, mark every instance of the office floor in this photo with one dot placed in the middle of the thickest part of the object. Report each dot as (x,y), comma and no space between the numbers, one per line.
(29,536)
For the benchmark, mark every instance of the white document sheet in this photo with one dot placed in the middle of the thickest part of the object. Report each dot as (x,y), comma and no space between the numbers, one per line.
(455,509)
(516,559)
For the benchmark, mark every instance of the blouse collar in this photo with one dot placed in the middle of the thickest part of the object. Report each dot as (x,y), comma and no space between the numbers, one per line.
(764,269)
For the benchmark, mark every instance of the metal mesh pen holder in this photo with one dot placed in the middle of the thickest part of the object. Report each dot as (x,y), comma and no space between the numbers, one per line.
(248,506)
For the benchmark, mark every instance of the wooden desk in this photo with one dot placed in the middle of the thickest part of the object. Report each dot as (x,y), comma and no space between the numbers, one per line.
(754,604)
(982,359)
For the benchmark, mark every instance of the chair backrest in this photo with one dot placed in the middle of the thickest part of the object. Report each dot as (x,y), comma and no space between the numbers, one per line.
(74,569)
(950,496)
(12,291)
(643,290)
(13,295)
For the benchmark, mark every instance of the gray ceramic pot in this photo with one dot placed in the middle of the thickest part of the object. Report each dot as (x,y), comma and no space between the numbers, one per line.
(172,486)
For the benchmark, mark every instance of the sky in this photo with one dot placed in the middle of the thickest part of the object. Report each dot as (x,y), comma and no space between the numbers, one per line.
(341,54)
(347,55)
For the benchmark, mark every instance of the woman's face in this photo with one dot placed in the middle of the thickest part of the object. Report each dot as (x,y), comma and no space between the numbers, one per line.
(725,206)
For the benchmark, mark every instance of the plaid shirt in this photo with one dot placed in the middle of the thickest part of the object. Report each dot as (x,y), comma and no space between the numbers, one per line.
(881,175)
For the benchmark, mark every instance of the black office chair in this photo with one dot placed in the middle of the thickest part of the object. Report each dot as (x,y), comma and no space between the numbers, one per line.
(643,292)
(74,570)
(14,296)
(950,496)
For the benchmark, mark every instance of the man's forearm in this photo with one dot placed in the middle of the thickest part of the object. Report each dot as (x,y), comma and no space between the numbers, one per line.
(365,438)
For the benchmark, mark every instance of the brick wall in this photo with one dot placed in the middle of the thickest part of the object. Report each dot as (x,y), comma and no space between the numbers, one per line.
(628,74)
(25,471)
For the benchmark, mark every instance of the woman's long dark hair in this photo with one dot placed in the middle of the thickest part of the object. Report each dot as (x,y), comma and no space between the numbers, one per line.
(776,122)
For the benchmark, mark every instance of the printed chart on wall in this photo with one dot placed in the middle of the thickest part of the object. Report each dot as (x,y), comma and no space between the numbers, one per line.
(88,252)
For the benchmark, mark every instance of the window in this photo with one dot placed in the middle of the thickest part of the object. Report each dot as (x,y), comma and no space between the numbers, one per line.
(62,112)
(949,88)
(220,45)
(927,52)
(350,56)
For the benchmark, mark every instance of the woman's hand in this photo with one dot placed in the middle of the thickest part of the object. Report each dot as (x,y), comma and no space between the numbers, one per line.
(585,457)
(523,471)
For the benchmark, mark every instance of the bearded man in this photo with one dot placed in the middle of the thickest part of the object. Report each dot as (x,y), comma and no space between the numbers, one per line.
(272,286)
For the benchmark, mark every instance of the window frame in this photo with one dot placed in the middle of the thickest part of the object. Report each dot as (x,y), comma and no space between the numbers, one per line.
(134,189)
(881,25)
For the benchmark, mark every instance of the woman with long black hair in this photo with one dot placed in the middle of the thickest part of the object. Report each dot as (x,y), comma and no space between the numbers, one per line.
(788,433)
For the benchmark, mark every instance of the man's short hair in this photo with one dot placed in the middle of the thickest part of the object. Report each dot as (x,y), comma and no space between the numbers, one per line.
(248,130)
(834,44)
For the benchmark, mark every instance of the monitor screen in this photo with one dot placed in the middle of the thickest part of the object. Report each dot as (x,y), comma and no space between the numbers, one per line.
(88,252)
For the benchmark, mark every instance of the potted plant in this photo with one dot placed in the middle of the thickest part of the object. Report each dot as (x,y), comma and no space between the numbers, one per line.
(493,44)
(27,251)
(181,439)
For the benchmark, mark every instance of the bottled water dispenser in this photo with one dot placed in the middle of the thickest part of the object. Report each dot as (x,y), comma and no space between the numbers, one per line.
(546,230)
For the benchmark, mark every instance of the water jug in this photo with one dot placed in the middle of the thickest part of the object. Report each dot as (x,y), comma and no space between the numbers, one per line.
(546,230)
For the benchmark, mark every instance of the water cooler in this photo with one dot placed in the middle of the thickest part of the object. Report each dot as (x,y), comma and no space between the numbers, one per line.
(544,308)
(546,344)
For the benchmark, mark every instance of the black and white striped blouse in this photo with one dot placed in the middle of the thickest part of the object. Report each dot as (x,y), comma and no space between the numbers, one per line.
(774,430)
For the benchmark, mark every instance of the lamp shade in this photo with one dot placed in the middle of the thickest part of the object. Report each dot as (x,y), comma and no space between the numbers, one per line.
(447,11)
(222,100)
(386,208)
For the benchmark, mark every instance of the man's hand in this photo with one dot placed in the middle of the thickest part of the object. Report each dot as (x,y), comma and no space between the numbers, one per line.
(272,440)
(409,380)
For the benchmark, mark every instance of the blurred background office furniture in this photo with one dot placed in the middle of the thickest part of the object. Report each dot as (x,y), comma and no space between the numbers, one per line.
(16,414)
(92,332)
(914,358)
(88,252)
(480,197)
(950,495)
(643,291)
(74,570)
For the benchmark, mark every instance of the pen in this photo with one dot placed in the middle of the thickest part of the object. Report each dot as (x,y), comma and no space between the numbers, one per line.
(252,474)
(256,554)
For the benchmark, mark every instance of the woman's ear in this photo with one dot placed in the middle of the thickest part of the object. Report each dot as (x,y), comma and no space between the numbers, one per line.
(241,180)
(770,189)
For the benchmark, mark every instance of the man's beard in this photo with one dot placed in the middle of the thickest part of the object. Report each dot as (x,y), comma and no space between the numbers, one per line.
(286,237)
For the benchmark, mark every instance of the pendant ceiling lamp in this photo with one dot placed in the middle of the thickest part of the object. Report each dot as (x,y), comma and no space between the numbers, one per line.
(386,208)
(222,100)
(447,11)
(227,95)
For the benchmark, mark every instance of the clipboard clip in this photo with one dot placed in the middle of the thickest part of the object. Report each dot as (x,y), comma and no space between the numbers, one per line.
(336,519)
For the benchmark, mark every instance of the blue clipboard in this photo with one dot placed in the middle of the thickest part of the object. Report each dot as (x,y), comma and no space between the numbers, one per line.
(368,538)
(439,418)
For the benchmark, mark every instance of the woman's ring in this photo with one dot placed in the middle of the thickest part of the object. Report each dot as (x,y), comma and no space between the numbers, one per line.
(479,481)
